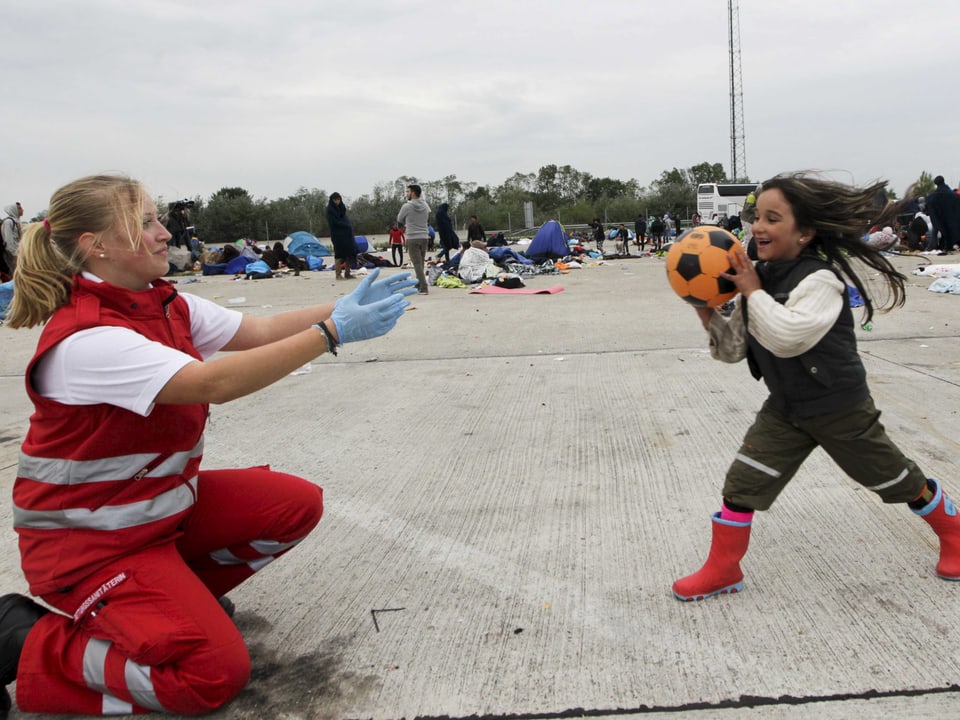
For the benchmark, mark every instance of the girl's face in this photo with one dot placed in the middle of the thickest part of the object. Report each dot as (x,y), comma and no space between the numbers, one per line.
(134,267)
(775,229)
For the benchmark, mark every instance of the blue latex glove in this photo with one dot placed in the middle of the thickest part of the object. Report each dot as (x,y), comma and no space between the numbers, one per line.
(357,316)
(395,284)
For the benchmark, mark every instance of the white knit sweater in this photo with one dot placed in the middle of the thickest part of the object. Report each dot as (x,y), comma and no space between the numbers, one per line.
(787,329)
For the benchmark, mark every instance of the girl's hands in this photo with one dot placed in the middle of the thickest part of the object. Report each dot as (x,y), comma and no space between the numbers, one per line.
(744,274)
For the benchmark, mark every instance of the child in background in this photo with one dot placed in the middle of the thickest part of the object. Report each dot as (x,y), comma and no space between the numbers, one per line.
(794,326)
(624,240)
(397,241)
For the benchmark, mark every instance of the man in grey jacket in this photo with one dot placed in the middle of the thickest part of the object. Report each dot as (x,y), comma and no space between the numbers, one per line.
(413,216)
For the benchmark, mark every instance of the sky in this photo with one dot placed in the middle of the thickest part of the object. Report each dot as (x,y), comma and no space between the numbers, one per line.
(191,96)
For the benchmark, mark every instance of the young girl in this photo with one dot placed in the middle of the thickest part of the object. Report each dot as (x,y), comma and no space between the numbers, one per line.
(120,531)
(794,326)
(397,241)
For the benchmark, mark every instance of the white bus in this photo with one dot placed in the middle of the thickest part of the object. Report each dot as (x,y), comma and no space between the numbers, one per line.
(716,201)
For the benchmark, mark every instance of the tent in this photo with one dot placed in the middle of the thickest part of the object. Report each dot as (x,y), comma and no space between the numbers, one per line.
(363,244)
(303,244)
(550,242)
(6,295)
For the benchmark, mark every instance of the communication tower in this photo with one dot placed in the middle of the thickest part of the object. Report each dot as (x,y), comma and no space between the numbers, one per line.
(738,152)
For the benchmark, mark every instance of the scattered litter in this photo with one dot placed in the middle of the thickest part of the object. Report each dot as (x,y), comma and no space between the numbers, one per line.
(949,285)
(303,370)
(938,270)
(236,300)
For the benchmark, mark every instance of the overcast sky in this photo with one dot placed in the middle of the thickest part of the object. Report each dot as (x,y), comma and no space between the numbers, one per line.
(273,95)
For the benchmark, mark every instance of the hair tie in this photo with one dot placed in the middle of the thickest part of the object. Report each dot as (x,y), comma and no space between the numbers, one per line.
(46,224)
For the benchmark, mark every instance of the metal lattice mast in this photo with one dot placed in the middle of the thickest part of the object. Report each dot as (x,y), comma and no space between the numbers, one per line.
(738,152)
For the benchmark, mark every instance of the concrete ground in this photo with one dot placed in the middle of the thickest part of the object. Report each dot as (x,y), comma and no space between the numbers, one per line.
(512,483)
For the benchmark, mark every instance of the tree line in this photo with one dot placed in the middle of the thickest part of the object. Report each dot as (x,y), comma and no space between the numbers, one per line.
(560,193)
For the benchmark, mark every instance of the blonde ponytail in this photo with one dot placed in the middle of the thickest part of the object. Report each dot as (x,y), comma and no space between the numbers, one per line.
(49,256)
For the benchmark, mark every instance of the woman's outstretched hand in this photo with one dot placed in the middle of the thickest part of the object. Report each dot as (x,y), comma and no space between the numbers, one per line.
(371,310)
(401,284)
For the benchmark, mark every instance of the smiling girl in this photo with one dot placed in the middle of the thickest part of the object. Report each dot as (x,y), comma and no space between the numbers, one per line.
(794,326)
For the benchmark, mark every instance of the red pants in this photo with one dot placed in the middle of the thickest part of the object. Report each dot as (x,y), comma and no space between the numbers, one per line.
(146,632)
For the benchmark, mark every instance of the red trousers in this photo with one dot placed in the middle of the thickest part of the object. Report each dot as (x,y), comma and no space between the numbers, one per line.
(146,632)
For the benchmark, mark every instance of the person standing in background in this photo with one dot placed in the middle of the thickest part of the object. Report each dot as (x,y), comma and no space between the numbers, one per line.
(640,230)
(943,205)
(598,234)
(413,216)
(341,235)
(397,241)
(475,230)
(10,230)
(448,237)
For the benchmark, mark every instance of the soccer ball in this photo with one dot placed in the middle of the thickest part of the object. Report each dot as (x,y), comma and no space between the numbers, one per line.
(694,263)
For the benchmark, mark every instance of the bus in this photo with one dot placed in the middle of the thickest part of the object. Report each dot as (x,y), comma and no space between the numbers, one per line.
(717,201)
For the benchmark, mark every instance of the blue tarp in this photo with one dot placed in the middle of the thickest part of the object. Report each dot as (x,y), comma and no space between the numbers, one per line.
(549,242)
(218,269)
(362,244)
(6,295)
(503,255)
(303,244)
(237,265)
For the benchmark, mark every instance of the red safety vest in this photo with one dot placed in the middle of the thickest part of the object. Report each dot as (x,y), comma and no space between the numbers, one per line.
(97,481)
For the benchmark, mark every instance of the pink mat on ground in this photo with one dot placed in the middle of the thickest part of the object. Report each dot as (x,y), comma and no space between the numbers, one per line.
(495,290)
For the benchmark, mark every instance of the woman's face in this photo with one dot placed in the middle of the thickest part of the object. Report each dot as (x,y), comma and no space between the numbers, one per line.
(134,267)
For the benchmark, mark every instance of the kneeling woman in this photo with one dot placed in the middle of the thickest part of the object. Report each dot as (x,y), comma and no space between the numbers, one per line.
(120,531)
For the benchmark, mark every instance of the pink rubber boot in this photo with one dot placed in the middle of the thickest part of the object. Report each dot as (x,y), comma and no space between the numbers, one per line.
(941,514)
(721,572)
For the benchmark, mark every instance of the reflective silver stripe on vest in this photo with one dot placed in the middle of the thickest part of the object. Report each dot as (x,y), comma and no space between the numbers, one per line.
(57,471)
(110,517)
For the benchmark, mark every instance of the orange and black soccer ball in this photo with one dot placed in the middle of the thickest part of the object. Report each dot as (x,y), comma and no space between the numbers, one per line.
(694,263)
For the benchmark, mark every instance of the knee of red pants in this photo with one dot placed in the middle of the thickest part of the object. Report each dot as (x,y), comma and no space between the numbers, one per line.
(312,507)
(304,502)
(289,505)
(209,681)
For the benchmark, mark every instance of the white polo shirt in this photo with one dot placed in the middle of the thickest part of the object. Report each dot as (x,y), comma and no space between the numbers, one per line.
(121,367)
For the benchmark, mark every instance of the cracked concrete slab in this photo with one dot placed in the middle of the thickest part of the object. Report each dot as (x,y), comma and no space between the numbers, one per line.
(512,483)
